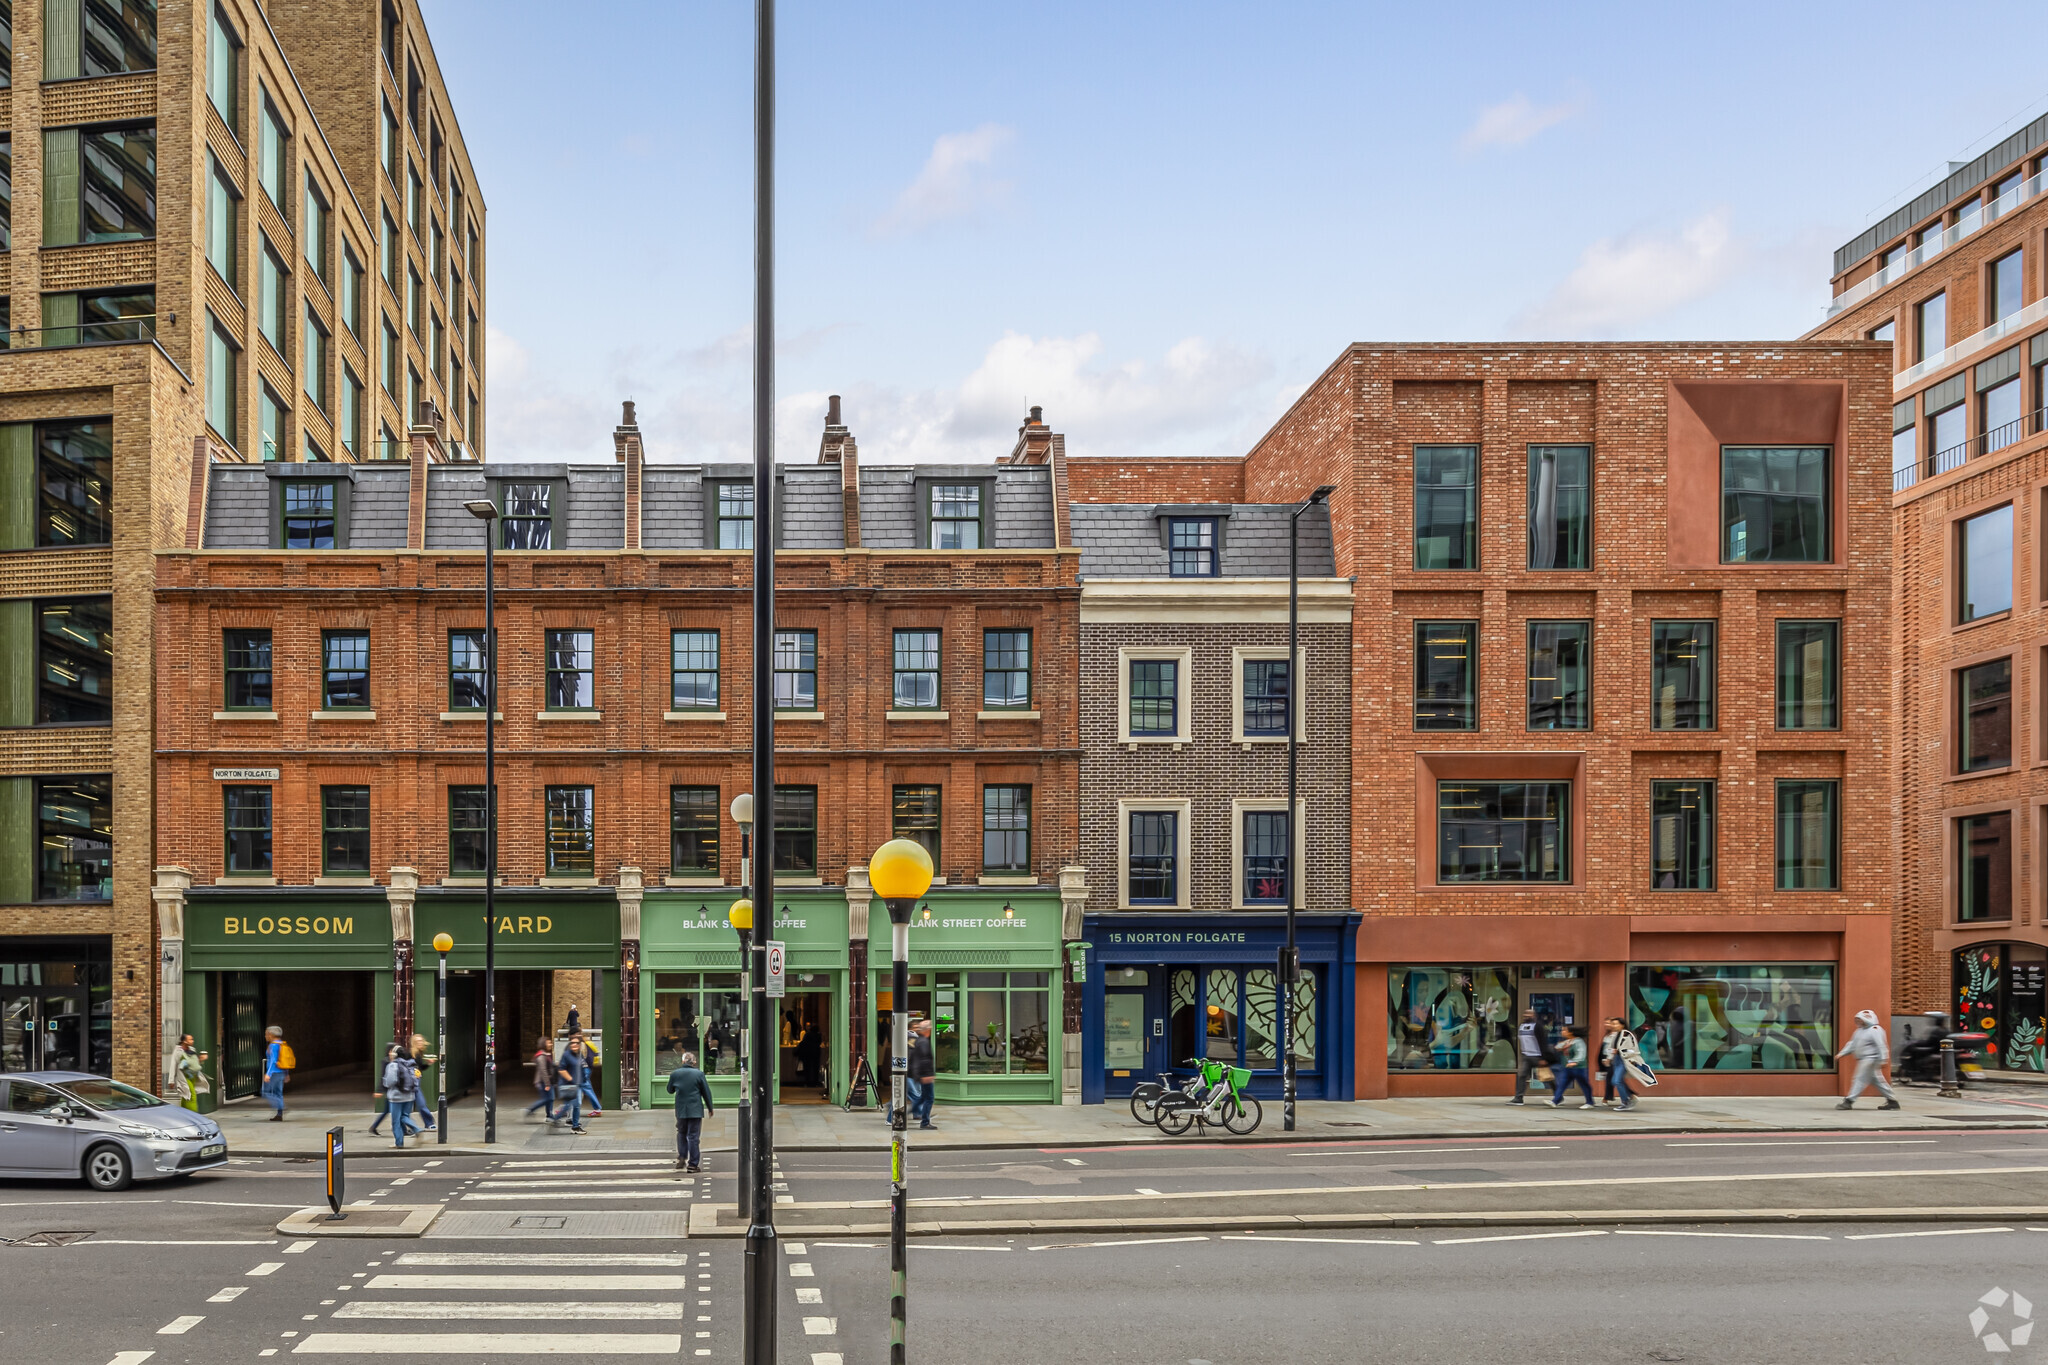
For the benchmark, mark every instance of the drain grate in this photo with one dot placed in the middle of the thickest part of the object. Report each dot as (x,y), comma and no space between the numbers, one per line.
(51,1239)
(540,1220)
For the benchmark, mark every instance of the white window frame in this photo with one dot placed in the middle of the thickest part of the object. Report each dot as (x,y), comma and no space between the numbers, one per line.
(1183,852)
(1240,655)
(1298,832)
(1184,692)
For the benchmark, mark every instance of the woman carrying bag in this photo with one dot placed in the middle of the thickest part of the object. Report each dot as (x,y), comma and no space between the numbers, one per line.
(188,1073)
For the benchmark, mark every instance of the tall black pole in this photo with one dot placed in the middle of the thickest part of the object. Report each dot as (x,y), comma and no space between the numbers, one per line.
(441,1043)
(758,1333)
(899,1123)
(490,836)
(1290,956)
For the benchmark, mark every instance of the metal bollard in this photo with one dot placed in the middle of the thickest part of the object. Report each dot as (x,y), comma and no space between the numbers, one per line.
(1951,1085)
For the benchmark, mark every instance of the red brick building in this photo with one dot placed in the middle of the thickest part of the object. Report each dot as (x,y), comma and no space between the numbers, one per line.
(1619,746)
(1954,280)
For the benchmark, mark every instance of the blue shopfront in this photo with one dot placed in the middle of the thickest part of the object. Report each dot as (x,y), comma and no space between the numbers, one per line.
(1164,989)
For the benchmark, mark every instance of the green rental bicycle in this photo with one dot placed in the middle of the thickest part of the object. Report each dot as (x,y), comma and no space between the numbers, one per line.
(1223,1100)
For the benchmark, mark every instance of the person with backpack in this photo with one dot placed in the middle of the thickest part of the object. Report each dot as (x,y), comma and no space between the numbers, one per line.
(401,1085)
(1533,1053)
(278,1062)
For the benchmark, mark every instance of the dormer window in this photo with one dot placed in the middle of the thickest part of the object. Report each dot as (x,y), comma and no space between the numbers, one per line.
(1191,547)
(308,515)
(955,516)
(529,516)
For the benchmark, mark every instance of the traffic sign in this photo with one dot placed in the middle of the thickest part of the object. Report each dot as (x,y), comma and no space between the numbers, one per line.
(777,980)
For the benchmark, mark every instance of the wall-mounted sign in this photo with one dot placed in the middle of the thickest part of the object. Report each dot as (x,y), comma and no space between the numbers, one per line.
(245,775)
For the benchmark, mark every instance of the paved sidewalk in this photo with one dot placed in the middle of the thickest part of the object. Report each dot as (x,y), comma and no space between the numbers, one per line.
(823,1128)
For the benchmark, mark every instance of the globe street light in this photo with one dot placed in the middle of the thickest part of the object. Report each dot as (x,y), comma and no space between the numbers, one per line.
(486,511)
(443,942)
(900,872)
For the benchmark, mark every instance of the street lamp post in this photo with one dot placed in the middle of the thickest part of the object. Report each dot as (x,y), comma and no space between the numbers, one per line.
(442,943)
(900,872)
(486,511)
(1290,956)
(741,918)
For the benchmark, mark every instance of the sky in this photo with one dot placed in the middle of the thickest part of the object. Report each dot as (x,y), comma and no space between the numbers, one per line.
(1159,222)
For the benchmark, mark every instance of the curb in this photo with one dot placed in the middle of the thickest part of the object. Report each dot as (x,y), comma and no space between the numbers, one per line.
(414,1221)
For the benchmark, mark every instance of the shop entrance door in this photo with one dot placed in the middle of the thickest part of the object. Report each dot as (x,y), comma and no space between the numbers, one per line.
(805,1046)
(42,1029)
(242,1005)
(1133,1028)
(1556,1003)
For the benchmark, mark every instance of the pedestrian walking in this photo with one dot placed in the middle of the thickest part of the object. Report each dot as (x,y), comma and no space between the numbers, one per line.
(188,1073)
(923,1074)
(571,1068)
(1871,1050)
(377,1089)
(1573,1070)
(421,1060)
(544,1077)
(401,1083)
(693,1102)
(574,1024)
(277,1065)
(1532,1052)
(1616,1045)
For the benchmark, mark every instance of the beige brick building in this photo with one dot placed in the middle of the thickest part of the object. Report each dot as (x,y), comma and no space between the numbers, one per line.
(237,234)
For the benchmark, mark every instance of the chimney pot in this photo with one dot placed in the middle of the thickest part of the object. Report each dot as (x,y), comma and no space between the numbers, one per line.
(626,416)
(1037,416)
(832,411)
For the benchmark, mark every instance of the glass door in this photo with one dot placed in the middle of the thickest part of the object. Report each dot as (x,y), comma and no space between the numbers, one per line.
(1133,1029)
(43,1030)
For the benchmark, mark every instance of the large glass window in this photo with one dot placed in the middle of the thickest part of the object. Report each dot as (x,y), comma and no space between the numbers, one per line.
(734,505)
(1005,669)
(1008,1028)
(75,838)
(1154,857)
(349,422)
(1447,507)
(701,1015)
(2002,287)
(528,516)
(955,516)
(314,381)
(75,661)
(223,225)
(74,483)
(223,71)
(223,400)
(1931,327)
(351,302)
(916,671)
(1984,716)
(1266,692)
(315,230)
(1682,675)
(1905,445)
(572,670)
(273,288)
(344,670)
(1191,550)
(468,683)
(345,830)
(796,830)
(272,140)
(246,684)
(796,670)
(1155,697)
(468,830)
(1724,1016)
(248,829)
(114,36)
(1005,829)
(1446,675)
(693,826)
(1948,429)
(1809,675)
(2003,408)
(1451,1018)
(1560,675)
(1682,835)
(1984,877)
(99,184)
(307,514)
(1560,507)
(1503,831)
(693,665)
(571,831)
(1809,835)
(914,815)
(1985,556)
(1774,504)
(1268,855)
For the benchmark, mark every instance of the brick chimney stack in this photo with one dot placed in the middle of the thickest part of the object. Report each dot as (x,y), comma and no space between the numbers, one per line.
(837,446)
(1034,440)
(626,450)
(837,442)
(427,439)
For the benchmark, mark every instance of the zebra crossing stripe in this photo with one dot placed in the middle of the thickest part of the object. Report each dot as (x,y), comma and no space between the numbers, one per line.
(490,1344)
(472,1312)
(529,1282)
(550,1258)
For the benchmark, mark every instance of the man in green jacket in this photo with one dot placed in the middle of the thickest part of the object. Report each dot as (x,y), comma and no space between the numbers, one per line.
(693,1102)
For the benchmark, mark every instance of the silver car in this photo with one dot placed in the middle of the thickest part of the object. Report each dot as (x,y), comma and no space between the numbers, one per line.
(84,1127)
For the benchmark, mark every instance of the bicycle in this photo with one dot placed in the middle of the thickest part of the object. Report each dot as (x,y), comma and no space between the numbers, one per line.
(1145,1097)
(1225,1102)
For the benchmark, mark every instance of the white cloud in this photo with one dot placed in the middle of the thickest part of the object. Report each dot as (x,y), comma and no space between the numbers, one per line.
(1514,121)
(958,181)
(1623,282)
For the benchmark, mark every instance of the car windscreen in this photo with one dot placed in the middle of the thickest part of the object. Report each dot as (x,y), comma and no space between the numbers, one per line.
(111,1095)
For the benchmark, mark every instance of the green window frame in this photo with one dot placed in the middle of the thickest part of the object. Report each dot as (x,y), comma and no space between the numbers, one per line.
(247,681)
(468,676)
(1446,675)
(344,670)
(388,146)
(468,831)
(273,292)
(700,1014)
(1775,504)
(571,670)
(349,423)
(796,830)
(1447,507)
(693,823)
(345,830)
(75,838)
(1007,1026)
(1005,670)
(1006,828)
(1809,840)
(246,824)
(1682,835)
(529,510)
(1155,697)
(87,38)
(571,831)
(74,661)
(312,514)
(693,670)
(387,357)
(732,515)
(1984,871)
(390,253)
(99,184)
(1560,507)
(916,813)
(795,663)
(1560,675)
(915,671)
(1683,674)
(351,301)
(1809,675)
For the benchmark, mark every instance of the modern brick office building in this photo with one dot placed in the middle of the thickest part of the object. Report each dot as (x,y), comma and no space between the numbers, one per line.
(203,269)
(1954,280)
(1619,740)
(321,767)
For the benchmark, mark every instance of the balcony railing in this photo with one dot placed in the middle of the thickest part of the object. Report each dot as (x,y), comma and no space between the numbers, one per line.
(1927,251)
(1970,345)
(1956,456)
(107,332)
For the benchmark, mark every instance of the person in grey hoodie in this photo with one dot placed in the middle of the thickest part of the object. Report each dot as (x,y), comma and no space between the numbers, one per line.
(401,1086)
(1872,1050)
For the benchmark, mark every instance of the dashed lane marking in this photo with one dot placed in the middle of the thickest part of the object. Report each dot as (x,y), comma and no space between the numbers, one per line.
(1351,1241)
(803,1295)
(1519,1237)
(230,1294)
(801,1271)
(1130,1242)
(267,1268)
(177,1327)
(131,1357)
(1932,1232)
(1763,1236)
(296,1247)
(821,1327)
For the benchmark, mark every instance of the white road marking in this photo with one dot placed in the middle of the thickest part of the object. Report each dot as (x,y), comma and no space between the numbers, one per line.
(528,1165)
(1356,1241)
(793,1248)
(550,1184)
(805,1295)
(177,1327)
(953,1246)
(1516,1237)
(1073,1161)
(801,1271)
(296,1247)
(1143,1190)
(230,1294)
(403,1180)
(785,1199)
(553,1258)
(864,1246)
(162,1242)
(827,1358)
(568,1194)
(490,1343)
(821,1327)
(60,1203)
(131,1357)
(480,1311)
(1934,1232)
(1431,1151)
(267,1268)
(1763,1236)
(1133,1242)
(550,1282)
(221,1204)
(1824,1142)
(267,1351)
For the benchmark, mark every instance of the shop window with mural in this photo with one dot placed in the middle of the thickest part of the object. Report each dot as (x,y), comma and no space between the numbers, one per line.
(1451,1018)
(1774,1016)
(1227,1014)
(2001,989)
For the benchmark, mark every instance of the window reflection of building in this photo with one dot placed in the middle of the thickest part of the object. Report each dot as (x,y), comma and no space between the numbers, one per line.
(697,1013)
(1734,1016)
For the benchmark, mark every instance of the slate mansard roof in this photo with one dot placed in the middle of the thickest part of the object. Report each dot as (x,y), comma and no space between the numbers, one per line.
(1128,540)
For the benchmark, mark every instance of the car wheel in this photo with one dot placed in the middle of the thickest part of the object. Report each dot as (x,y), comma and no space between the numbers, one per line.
(107,1168)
